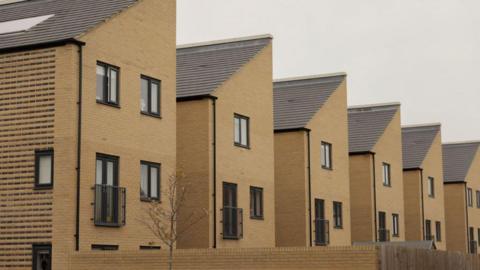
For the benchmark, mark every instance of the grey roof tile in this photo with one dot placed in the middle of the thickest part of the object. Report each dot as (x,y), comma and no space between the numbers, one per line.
(416,142)
(457,160)
(202,68)
(297,100)
(366,124)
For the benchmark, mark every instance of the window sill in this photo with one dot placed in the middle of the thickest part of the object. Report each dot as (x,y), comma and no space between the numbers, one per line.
(150,200)
(321,244)
(327,168)
(242,146)
(396,235)
(338,227)
(231,238)
(386,185)
(257,218)
(108,225)
(108,104)
(431,196)
(151,115)
(46,187)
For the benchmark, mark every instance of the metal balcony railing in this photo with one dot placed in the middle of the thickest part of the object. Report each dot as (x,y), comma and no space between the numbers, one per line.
(109,206)
(430,237)
(383,235)
(322,232)
(232,222)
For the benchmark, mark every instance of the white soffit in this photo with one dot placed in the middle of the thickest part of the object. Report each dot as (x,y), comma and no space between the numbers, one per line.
(22,24)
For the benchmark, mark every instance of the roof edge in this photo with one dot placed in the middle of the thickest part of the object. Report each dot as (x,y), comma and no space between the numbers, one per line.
(437,124)
(310,77)
(358,153)
(453,182)
(462,142)
(291,130)
(223,41)
(43,45)
(375,105)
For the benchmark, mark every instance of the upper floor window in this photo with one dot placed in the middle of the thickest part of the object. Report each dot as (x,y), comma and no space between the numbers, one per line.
(44,168)
(241,134)
(428,230)
(150,181)
(150,96)
(478,198)
(107,83)
(326,152)
(396,225)
(431,187)
(387,175)
(256,202)
(469,197)
(438,231)
(337,215)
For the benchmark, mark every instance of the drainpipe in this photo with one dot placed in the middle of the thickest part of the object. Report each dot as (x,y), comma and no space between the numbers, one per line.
(466,217)
(423,205)
(374,196)
(214,184)
(79,144)
(309,188)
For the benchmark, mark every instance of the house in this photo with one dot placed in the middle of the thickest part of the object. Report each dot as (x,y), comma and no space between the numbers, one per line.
(87,125)
(376,173)
(423,184)
(311,161)
(461,169)
(225,142)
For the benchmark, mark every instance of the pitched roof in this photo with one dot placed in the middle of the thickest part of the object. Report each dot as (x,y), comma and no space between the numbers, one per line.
(367,123)
(296,100)
(71,19)
(457,160)
(203,67)
(416,142)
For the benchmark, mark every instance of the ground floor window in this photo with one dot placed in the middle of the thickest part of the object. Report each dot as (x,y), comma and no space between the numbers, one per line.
(42,256)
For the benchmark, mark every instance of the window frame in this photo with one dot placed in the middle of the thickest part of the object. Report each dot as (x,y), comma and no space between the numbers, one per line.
(477,193)
(469,197)
(395,225)
(431,187)
(150,165)
(36,247)
(385,175)
(151,81)
(107,86)
(253,214)
(337,215)
(38,155)
(438,231)
(428,228)
(247,119)
(323,155)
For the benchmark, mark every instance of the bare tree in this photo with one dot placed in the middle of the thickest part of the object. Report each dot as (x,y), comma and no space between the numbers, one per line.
(162,217)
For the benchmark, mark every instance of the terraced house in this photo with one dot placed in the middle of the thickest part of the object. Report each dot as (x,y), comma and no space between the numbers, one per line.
(311,161)
(87,125)
(225,142)
(376,177)
(423,184)
(461,168)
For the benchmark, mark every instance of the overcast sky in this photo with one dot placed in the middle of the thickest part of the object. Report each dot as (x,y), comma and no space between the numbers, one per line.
(423,53)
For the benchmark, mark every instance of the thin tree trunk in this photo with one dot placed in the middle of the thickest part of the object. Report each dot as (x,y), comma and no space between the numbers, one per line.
(170,257)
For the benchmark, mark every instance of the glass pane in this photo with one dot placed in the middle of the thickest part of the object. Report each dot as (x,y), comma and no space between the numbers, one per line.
(153,182)
(154,98)
(99,172)
(322,153)
(144,181)
(243,130)
(45,170)
(110,173)
(112,91)
(258,202)
(144,96)
(237,130)
(100,82)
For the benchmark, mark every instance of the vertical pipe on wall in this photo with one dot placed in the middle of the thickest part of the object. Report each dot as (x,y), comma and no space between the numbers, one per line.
(214,184)
(374,196)
(423,205)
(79,145)
(466,217)
(309,188)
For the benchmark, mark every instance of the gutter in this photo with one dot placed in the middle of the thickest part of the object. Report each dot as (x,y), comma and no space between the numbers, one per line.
(43,45)
(79,143)
(309,187)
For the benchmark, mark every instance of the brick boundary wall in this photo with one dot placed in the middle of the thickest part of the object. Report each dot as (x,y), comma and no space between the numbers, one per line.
(345,258)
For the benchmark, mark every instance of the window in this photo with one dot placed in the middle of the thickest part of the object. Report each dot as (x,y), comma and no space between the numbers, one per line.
(322,234)
(438,231)
(232,216)
(396,225)
(104,247)
(478,199)
(469,197)
(386,175)
(256,203)
(242,126)
(431,187)
(21,25)
(428,230)
(150,96)
(383,233)
(44,168)
(107,84)
(478,235)
(149,181)
(337,215)
(42,256)
(326,157)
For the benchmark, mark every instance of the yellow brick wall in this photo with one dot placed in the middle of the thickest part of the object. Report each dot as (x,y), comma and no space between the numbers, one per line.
(28,91)
(455,213)
(413,205)
(473,182)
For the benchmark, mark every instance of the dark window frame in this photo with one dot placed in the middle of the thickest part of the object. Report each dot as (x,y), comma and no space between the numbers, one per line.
(324,155)
(151,81)
(431,187)
(247,119)
(102,247)
(41,247)
(438,231)
(337,215)
(149,165)
(428,229)
(395,225)
(469,197)
(107,86)
(478,235)
(478,198)
(387,176)
(253,203)
(38,155)
(236,228)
